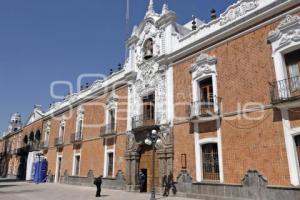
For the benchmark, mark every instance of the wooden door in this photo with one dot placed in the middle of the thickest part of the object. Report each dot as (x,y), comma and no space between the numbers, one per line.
(146,164)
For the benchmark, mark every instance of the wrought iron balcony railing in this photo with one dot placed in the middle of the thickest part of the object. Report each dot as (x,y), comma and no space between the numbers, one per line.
(76,138)
(108,130)
(205,109)
(59,141)
(143,121)
(285,90)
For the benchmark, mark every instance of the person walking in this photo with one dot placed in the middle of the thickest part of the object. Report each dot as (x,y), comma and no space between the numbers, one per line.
(98,183)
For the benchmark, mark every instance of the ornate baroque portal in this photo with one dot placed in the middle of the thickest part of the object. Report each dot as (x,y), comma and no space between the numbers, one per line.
(150,80)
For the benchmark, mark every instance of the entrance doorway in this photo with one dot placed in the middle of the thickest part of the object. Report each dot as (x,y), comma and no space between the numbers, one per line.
(146,167)
(145,172)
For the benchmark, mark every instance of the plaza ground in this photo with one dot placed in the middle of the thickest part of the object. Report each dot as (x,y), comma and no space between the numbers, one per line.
(11,190)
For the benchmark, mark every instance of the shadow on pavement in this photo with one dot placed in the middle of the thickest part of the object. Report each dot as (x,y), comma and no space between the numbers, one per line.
(3,186)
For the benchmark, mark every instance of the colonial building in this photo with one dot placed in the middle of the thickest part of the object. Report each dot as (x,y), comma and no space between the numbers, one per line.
(223,96)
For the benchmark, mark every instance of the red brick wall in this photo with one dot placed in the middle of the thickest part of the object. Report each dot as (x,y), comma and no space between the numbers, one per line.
(92,147)
(244,70)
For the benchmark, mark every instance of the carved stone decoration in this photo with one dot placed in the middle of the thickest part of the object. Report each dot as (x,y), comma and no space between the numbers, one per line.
(254,178)
(184,177)
(287,32)
(205,64)
(90,174)
(237,10)
(112,101)
(131,144)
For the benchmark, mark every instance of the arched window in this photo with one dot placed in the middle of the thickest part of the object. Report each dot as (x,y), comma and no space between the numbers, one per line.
(31,137)
(25,139)
(38,136)
(148,49)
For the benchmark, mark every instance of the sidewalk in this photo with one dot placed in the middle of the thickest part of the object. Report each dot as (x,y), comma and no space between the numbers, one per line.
(31,191)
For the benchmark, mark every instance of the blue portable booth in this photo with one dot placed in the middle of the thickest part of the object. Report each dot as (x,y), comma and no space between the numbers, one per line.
(40,171)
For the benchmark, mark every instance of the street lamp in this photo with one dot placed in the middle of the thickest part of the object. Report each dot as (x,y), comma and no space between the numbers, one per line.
(153,140)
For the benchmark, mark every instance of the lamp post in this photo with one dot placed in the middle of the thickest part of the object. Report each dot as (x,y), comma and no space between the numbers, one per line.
(152,140)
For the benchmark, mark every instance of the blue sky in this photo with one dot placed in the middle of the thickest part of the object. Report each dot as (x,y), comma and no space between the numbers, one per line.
(46,40)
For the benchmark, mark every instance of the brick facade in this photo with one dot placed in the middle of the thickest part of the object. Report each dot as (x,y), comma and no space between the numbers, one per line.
(250,142)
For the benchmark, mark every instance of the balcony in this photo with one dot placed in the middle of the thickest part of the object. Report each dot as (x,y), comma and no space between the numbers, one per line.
(59,142)
(140,122)
(44,144)
(76,138)
(287,90)
(205,111)
(108,130)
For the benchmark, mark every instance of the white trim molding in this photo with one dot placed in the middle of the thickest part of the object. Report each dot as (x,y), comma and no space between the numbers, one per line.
(56,179)
(62,133)
(292,157)
(205,67)
(106,152)
(75,154)
(285,39)
(199,143)
(112,104)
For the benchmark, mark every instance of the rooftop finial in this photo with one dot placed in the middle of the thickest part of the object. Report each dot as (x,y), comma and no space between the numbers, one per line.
(150,7)
(165,8)
(194,23)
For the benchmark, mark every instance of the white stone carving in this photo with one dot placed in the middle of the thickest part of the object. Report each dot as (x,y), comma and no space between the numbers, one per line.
(80,113)
(237,10)
(205,64)
(287,32)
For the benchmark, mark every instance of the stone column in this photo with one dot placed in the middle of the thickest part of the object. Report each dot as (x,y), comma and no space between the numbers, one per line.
(132,167)
(165,163)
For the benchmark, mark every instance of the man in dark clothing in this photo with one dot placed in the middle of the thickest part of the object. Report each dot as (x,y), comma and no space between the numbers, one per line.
(171,183)
(142,180)
(166,186)
(98,183)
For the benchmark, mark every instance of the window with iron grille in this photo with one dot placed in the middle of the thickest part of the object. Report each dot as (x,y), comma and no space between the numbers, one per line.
(210,162)
(297,141)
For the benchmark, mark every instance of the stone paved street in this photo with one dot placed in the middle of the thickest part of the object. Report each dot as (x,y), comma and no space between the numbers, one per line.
(30,191)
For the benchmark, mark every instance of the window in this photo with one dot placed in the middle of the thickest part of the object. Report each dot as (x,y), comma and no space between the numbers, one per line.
(292,61)
(297,141)
(149,107)
(76,165)
(61,132)
(110,164)
(112,118)
(206,96)
(80,125)
(210,161)
(148,49)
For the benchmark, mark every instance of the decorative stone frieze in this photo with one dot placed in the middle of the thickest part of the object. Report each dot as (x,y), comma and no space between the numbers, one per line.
(286,33)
